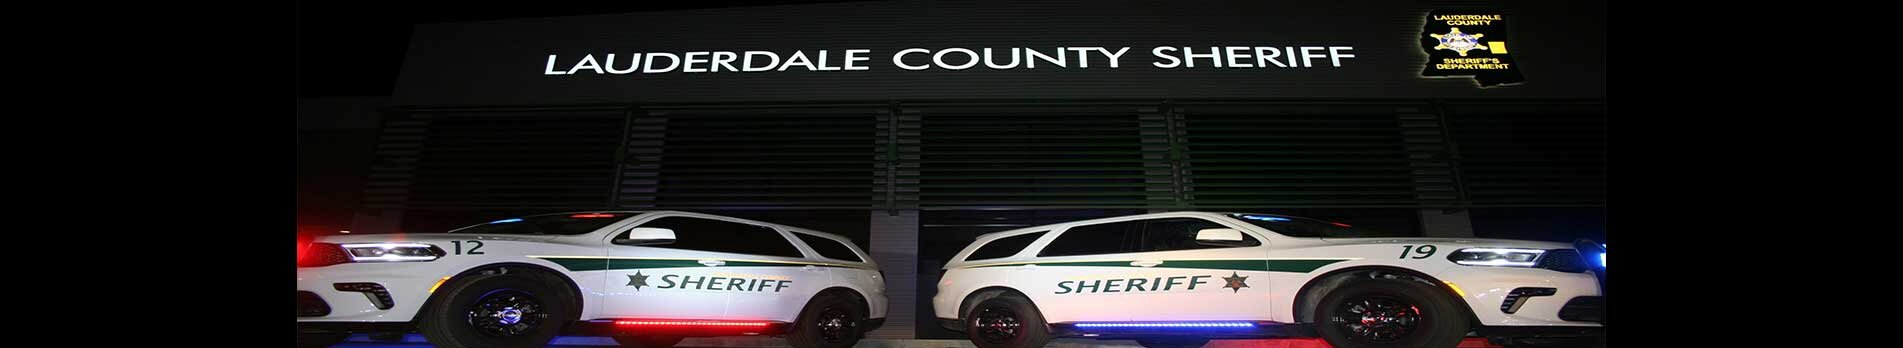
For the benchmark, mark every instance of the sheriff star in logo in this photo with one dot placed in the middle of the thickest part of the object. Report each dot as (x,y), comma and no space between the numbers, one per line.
(1459,42)
(637,280)
(1236,282)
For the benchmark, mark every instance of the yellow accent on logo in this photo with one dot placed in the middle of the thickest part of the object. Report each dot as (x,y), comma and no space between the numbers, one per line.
(1497,47)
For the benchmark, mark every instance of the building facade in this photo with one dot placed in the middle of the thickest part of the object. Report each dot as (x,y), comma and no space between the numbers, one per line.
(913,126)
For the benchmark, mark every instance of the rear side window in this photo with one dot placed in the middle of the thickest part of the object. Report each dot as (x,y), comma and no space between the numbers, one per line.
(721,236)
(1110,238)
(1180,234)
(829,248)
(1004,247)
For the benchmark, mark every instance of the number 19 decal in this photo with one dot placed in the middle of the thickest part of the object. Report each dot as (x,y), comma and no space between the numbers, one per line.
(1423,251)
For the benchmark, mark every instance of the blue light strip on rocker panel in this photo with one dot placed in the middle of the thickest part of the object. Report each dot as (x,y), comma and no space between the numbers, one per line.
(1166,325)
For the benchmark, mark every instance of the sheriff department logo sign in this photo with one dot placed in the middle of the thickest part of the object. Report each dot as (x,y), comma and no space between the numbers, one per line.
(1469,43)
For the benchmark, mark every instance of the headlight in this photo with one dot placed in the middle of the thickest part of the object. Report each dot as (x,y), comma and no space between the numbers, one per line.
(1507,257)
(391,252)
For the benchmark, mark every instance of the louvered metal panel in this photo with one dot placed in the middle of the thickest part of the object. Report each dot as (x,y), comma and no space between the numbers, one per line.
(1033,157)
(896,169)
(1531,154)
(750,158)
(518,159)
(1240,155)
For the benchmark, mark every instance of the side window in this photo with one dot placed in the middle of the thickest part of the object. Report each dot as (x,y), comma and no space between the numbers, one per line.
(1110,238)
(1004,247)
(829,248)
(721,236)
(1180,234)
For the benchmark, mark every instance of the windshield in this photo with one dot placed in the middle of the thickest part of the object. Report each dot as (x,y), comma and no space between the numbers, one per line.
(1305,227)
(560,224)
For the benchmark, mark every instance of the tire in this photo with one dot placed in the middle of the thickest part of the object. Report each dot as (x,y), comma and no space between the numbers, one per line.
(648,341)
(1404,313)
(1006,321)
(538,307)
(830,320)
(1173,342)
(316,340)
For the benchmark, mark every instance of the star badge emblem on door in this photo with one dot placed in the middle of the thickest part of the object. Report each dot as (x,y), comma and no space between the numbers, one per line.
(1236,282)
(637,280)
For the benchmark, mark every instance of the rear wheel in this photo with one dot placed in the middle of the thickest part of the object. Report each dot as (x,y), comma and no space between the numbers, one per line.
(829,321)
(1006,321)
(496,310)
(1390,313)
(648,341)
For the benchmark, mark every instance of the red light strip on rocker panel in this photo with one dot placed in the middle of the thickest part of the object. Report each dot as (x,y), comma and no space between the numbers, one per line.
(691,323)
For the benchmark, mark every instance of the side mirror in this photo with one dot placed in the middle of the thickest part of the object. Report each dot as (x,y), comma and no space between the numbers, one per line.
(647,236)
(1220,237)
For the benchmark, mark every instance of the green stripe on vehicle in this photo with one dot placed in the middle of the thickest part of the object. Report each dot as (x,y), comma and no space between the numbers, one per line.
(579,264)
(1295,266)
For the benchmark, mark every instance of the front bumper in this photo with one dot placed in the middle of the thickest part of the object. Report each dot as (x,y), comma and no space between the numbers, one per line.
(1503,296)
(403,289)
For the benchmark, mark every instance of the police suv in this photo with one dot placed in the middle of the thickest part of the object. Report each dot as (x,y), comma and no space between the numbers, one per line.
(1182,278)
(647,278)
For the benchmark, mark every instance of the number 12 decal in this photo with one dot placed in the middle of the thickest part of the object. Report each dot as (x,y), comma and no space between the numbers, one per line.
(1423,251)
(472,250)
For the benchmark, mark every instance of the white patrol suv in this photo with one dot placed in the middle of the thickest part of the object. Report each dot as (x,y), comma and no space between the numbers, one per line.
(1182,278)
(646,278)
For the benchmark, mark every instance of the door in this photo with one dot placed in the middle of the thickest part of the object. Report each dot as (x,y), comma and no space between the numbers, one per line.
(1222,282)
(700,273)
(1084,274)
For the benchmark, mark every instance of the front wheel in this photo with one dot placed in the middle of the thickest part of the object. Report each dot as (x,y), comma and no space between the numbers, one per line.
(1390,313)
(1006,321)
(829,321)
(496,310)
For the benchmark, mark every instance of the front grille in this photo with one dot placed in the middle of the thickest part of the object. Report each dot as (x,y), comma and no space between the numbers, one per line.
(1584,308)
(1563,260)
(309,305)
(377,294)
(1519,296)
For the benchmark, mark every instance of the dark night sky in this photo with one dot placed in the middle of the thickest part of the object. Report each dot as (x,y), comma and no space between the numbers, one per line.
(355,47)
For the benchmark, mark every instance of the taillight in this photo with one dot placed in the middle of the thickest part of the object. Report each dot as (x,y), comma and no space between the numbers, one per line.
(322,254)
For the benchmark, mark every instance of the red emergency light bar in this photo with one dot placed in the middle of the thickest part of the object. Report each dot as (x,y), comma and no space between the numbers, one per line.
(586,216)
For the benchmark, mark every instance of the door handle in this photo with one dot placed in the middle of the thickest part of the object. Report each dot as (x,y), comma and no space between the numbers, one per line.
(712,263)
(1145,263)
(810,268)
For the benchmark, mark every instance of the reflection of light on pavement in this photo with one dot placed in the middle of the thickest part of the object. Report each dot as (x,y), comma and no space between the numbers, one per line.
(416,341)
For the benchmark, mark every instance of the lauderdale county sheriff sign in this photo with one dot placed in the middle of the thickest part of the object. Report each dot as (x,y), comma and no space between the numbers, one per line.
(1459,43)
(1469,43)
(1032,50)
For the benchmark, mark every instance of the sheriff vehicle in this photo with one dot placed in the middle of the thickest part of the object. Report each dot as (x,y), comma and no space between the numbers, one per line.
(1182,278)
(647,278)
